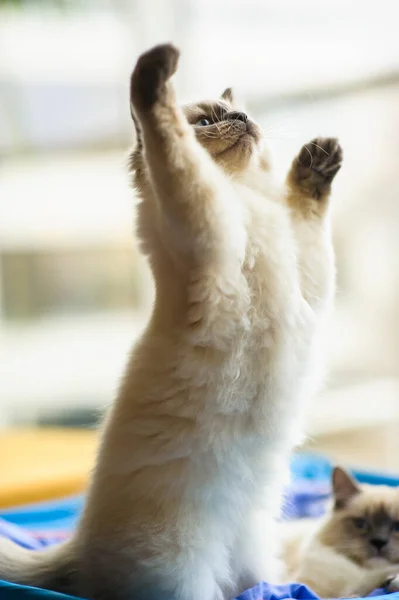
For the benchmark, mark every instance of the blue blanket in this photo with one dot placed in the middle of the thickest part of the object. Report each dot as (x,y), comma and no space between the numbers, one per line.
(48,523)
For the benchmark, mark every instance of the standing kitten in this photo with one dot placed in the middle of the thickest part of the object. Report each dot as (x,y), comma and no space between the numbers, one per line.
(352,551)
(196,444)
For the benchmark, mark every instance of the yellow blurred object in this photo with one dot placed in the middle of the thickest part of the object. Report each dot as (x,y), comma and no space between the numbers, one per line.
(44,463)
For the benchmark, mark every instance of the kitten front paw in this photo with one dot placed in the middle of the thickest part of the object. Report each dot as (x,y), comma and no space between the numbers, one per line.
(150,75)
(392,584)
(316,165)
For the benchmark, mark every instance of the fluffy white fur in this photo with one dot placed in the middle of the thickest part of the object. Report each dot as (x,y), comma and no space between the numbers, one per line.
(194,452)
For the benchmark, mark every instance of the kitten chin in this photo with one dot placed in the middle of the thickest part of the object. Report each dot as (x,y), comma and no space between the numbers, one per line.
(231,137)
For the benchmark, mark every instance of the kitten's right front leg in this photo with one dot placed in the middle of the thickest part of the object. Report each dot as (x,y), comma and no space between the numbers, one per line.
(198,218)
(198,213)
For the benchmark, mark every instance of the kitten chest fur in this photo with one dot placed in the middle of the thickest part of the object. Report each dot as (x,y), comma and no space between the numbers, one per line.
(212,403)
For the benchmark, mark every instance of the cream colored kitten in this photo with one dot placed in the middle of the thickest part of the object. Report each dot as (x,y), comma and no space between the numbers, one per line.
(194,451)
(351,551)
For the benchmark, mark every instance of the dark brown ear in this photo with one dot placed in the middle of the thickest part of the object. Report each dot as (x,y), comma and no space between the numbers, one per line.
(228,95)
(344,487)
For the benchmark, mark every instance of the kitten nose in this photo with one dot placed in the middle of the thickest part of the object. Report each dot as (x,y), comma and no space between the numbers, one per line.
(378,543)
(237,116)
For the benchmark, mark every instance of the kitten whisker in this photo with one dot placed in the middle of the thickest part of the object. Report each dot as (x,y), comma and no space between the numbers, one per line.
(215,118)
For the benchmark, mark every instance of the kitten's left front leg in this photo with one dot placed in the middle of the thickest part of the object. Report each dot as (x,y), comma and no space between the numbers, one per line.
(309,187)
(392,584)
(384,577)
(311,175)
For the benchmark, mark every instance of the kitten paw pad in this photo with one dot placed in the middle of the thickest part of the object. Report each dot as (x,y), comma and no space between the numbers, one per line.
(152,71)
(317,164)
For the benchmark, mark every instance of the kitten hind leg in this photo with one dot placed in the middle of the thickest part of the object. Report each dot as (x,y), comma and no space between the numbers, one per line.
(166,582)
(253,560)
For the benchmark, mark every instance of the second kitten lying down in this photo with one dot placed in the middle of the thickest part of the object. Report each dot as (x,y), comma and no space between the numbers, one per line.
(354,549)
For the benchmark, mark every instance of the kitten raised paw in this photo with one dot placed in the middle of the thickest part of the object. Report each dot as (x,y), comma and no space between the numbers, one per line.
(152,71)
(316,165)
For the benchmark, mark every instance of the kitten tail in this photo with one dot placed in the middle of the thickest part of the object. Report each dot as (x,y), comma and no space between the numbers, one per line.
(54,568)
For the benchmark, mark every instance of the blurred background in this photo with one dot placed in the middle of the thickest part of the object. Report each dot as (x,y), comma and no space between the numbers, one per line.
(74,291)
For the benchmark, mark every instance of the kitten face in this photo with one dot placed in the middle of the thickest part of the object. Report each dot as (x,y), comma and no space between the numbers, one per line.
(232,139)
(364,525)
(229,135)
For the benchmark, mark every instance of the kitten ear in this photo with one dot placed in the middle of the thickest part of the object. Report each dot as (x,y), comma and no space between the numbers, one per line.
(228,95)
(344,487)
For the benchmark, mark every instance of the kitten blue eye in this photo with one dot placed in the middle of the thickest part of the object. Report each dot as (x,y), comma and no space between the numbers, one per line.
(395,526)
(202,122)
(359,523)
